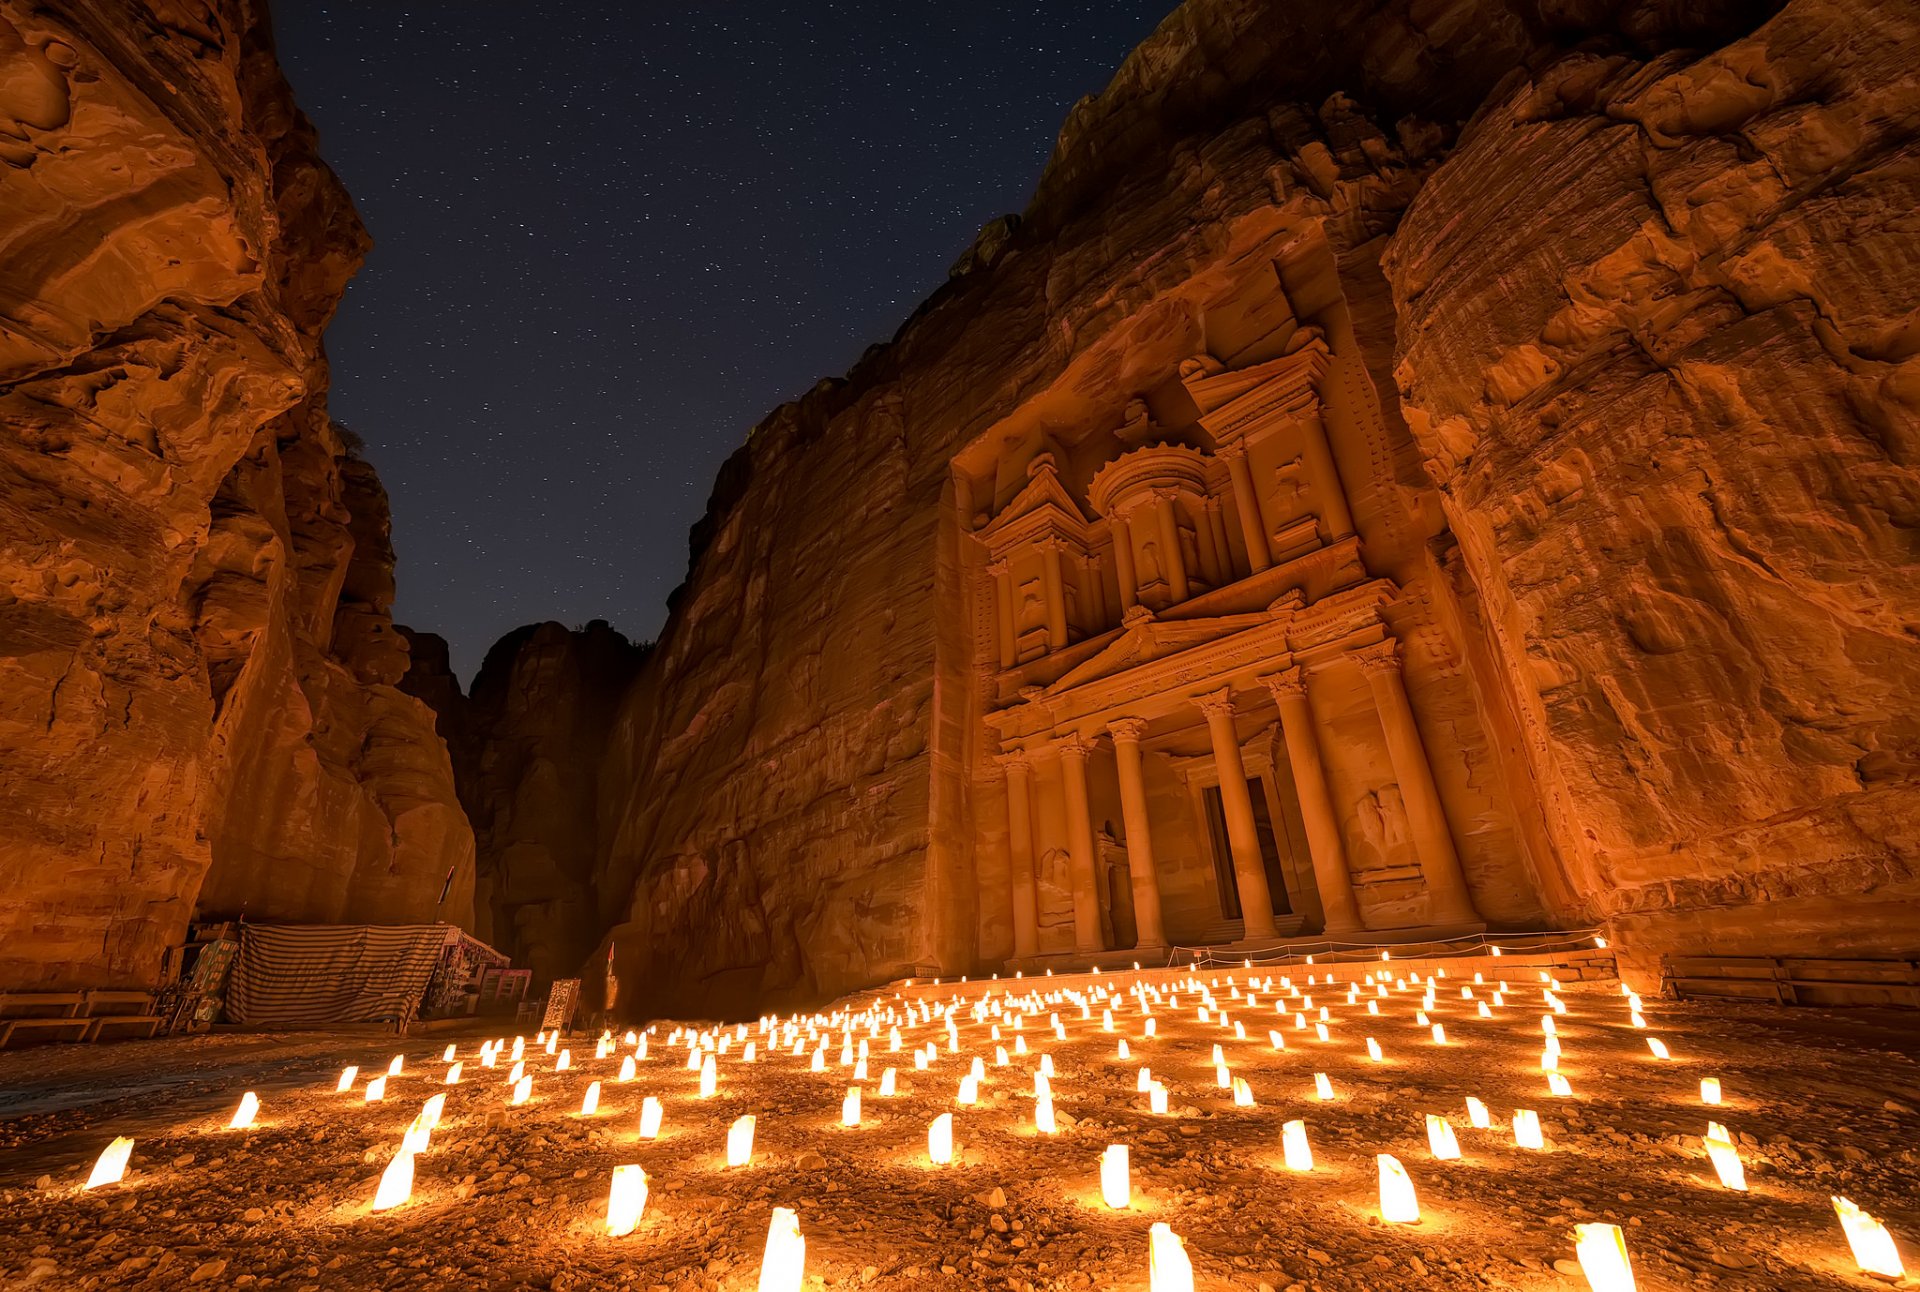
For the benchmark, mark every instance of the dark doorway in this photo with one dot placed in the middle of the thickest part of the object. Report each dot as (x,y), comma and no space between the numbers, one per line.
(1223,850)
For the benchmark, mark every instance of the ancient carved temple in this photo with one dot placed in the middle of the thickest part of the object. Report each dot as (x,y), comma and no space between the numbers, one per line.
(1219,703)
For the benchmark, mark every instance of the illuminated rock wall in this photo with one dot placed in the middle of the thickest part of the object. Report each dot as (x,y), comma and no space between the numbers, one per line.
(1660,346)
(800,789)
(197,668)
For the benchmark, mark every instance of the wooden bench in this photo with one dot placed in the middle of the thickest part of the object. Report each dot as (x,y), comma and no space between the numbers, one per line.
(74,1016)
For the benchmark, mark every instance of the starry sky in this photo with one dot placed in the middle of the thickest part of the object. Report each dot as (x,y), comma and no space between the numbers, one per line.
(611,235)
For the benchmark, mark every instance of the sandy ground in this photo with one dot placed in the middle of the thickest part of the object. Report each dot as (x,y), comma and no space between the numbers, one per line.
(1822,1102)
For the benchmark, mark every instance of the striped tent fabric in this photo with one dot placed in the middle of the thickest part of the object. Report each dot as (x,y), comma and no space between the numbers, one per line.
(292,975)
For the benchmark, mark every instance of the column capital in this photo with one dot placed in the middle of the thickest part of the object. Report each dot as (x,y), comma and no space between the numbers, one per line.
(1287,684)
(1231,451)
(1379,659)
(997,566)
(1216,703)
(1166,493)
(1013,760)
(1073,746)
(1127,730)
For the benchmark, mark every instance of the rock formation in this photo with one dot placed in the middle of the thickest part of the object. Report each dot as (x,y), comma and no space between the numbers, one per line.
(197,669)
(527,746)
(1615,306)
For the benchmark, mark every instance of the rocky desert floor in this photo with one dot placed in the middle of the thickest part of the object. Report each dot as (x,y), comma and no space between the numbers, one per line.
(1821,1102)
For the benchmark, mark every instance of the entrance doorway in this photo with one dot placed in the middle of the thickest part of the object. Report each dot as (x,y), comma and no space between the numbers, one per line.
(1223,850)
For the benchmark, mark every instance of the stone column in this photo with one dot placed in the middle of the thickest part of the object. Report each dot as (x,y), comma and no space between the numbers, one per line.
(1123,561)
(1026,898)
(1095,619)
(1007,636)
(1174,559)
(1086,899)
(1332,500)
(1243,837)
(1056,593)
(1211,564)
(1253,527)
(1217,523)
(1448,901)
(1324,844)
(1133,808)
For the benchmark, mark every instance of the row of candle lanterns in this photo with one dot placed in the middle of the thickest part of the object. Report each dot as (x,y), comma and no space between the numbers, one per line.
(1600,1248)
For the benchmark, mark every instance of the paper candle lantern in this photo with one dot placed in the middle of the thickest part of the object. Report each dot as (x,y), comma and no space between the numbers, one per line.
(1116,1185)
(1602,1253)
(1168,1269)
(453,1075)
(522,1091)
(1242,1094)
(1293,1142)
(1398,1205)
(1157,1098)
(1659,1047)
(1322,1088)
(1441,1139)
(396,1182)
(394,1068)
(1710,1090)
(111,1165)
(564,1062)
(887,1084)
(1043,1113)
(1373,1050)
(244,1114)
(1872,1245)
(627,1068)
(940,1140)
(1725,1157)
(1477,1114)
(347,1076)
(446,1056)
(969,1090)
(1526,1129)
(590,1102)
(850,1107)
(709,1077)
(740,1141)
(1559,1085)
(376,1090)
(783,1266)
(649,1118)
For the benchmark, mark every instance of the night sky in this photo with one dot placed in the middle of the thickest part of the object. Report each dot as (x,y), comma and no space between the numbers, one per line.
(611,236)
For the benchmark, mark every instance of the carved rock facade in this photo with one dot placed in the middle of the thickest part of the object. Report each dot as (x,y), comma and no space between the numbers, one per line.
(197,668)
(1334,519)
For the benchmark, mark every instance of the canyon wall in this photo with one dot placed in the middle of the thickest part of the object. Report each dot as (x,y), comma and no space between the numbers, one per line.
(795,790)
(527,744)
(198,699)
(1660,346)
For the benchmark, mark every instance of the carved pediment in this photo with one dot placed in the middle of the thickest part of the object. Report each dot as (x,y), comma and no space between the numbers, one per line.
(1042,507)
(1233,403)
(1145,639)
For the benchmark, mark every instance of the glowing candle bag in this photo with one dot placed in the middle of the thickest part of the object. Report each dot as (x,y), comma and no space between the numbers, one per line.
(1116,1184)
(1293,1142)
(650,1118)
(1398,1205)
(1602,1253)
(740,1141)
(396,1182)
(626,1201)
(1168,1269)
(784,1264)
(244,1114)
(112,1163)
(940,1140)
(1873,1249)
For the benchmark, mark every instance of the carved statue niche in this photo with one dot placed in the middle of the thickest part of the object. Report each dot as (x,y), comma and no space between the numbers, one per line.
(1382,820)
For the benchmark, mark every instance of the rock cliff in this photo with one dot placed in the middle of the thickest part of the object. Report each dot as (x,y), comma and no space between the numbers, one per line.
(197,668)
(798,764)
(527,746)
(1660,347)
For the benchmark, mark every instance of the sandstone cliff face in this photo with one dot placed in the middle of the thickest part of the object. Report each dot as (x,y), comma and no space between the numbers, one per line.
(1660,345)
(802,803)
(196,664)
(527,746)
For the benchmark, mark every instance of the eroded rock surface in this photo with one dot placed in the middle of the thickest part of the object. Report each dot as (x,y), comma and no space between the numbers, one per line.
(197,669)
(1660,346)
(810,801)
(527,746)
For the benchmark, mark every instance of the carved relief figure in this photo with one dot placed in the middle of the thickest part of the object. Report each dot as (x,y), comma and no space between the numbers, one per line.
(1382,819)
